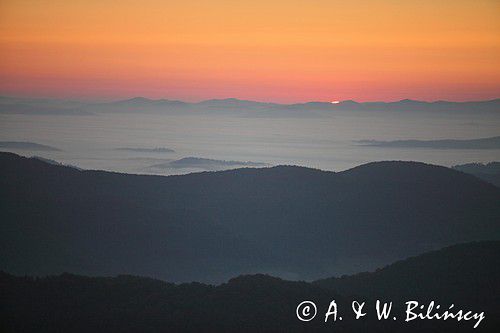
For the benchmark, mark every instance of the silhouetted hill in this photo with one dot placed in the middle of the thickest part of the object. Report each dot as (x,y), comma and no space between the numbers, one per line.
(469,272)
(292,222)
(489,172)
(139,105)
(466,275)
(405,105)
(234,106)
(75,303)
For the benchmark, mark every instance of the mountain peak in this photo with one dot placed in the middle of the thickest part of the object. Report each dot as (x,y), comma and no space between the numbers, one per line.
(138,99)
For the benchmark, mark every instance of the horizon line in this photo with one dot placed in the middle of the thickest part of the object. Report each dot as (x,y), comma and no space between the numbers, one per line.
(333,101)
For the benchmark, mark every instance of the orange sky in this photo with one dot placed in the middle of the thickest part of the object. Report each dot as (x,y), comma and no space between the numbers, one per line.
(274,50)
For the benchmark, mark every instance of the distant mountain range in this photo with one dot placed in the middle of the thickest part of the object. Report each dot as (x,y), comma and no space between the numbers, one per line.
(26,145)
(482,143)
(235,106)
(292,222)
(40,106)
(465,275)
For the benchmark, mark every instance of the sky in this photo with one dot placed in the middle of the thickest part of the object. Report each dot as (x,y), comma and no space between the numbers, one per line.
(273,50)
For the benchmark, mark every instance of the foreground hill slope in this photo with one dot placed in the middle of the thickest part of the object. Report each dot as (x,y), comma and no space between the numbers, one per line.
(469,272)
(489,172)
(466,275)
(293,222)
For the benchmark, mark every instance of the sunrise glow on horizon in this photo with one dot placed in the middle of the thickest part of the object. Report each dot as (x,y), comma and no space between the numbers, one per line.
(275,50)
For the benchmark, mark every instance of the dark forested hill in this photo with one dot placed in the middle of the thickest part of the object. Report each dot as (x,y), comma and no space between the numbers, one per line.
(466,275)
(469,272)
(292,222)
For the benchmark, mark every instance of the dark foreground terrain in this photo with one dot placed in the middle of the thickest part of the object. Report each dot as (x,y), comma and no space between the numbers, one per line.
(292,222)
(467,275)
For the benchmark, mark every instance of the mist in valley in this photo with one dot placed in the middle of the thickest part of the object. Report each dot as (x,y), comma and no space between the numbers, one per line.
(158,137)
